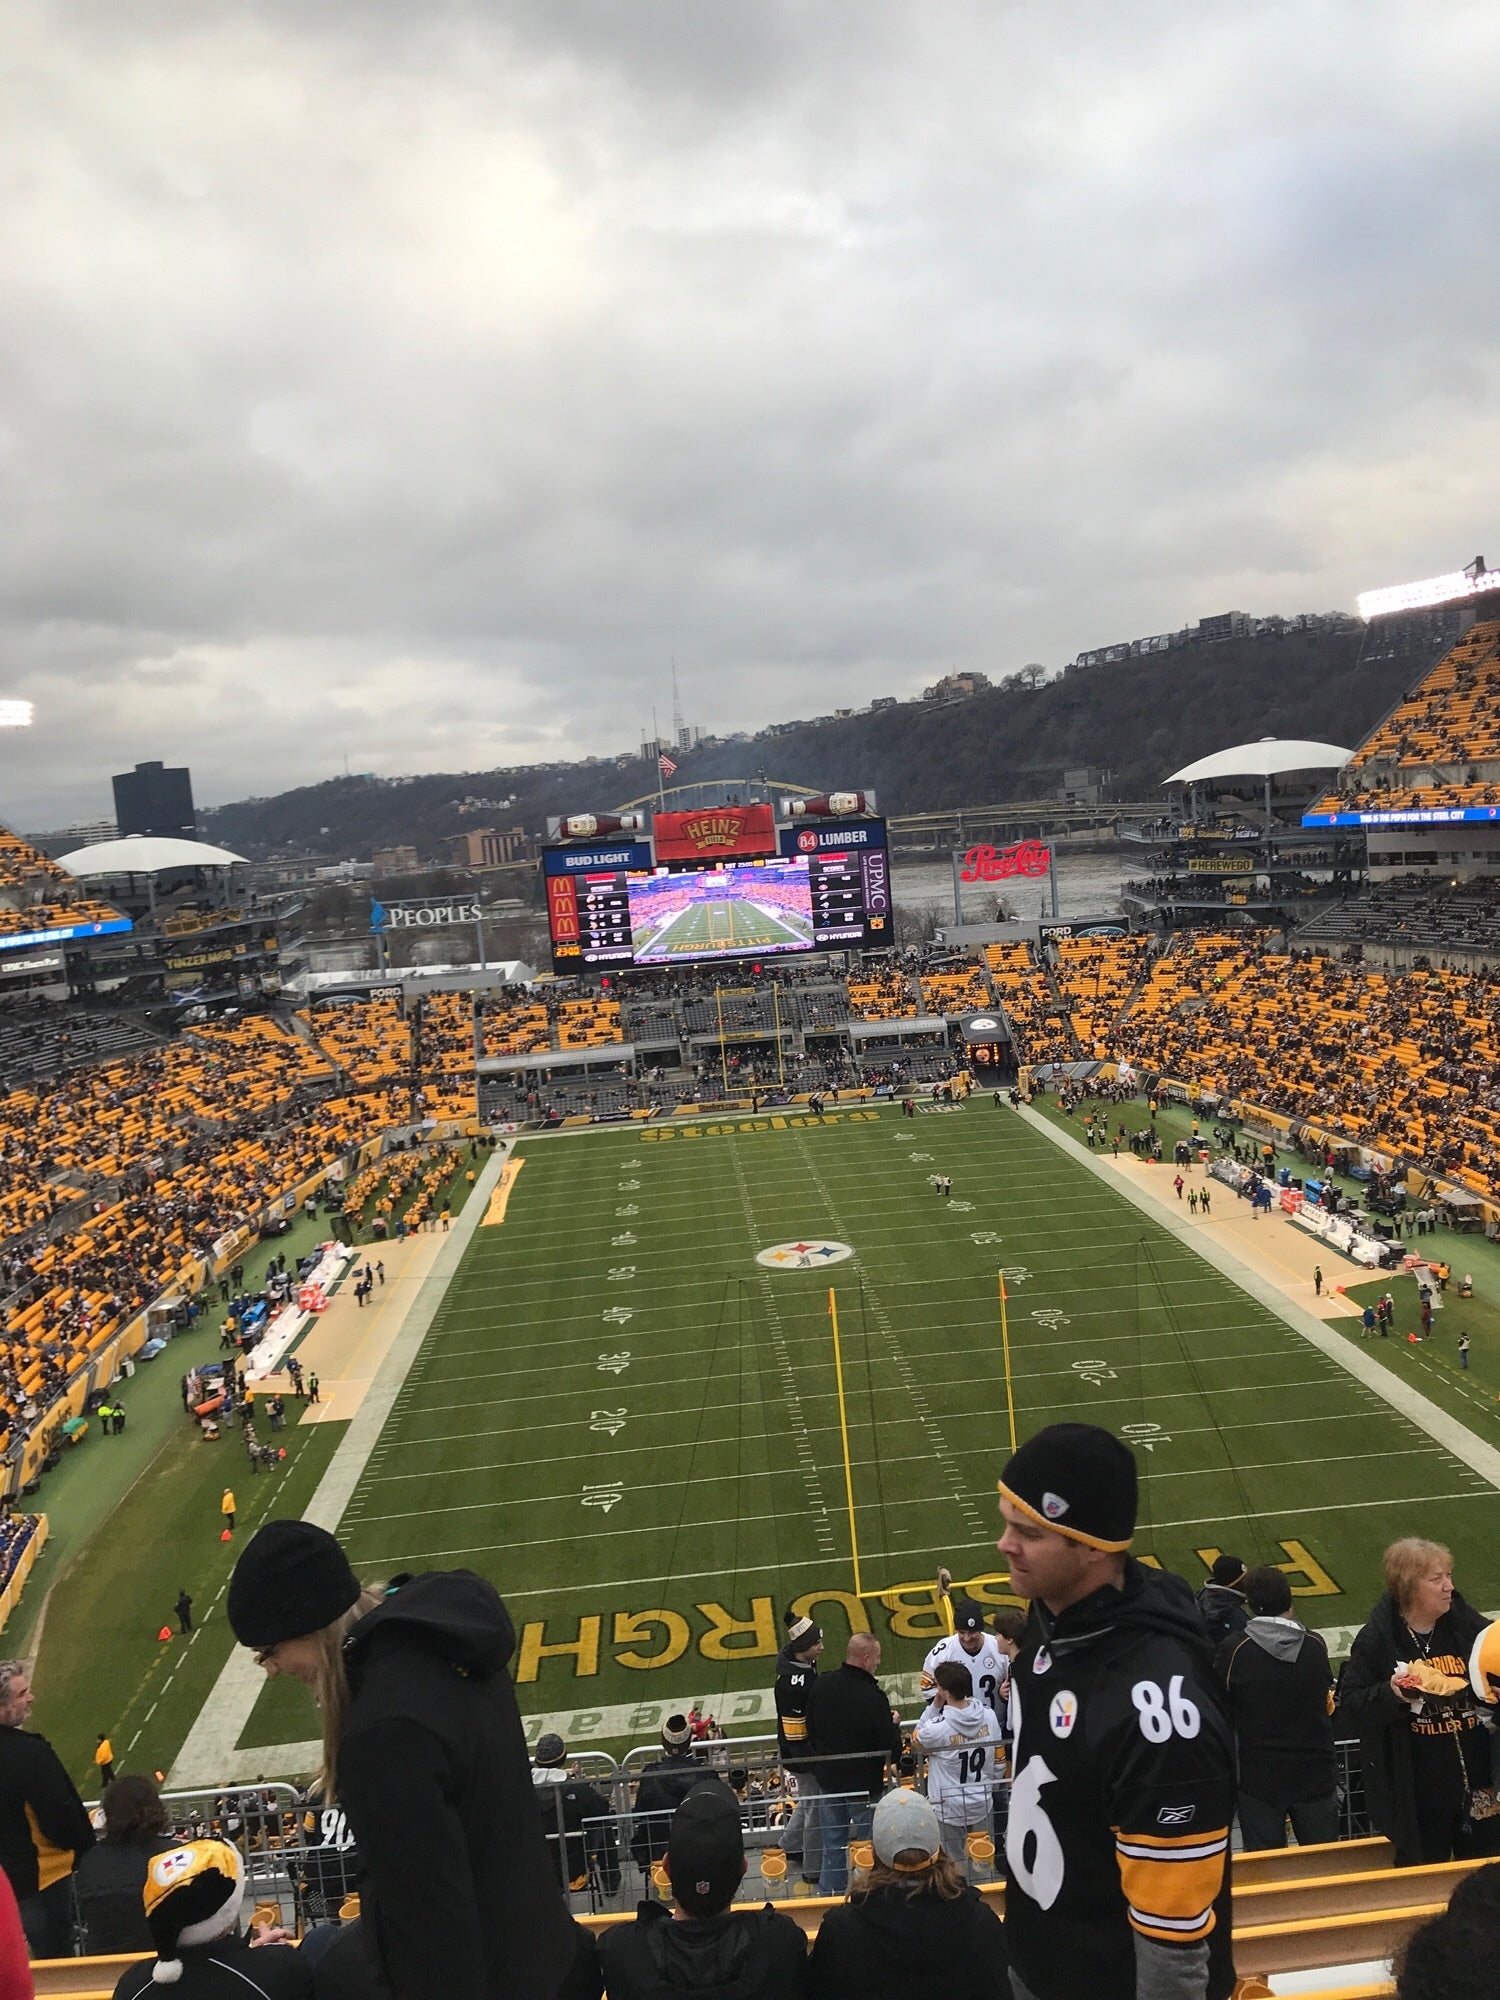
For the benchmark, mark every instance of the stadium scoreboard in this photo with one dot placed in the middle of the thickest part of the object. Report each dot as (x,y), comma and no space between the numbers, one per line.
(819,888)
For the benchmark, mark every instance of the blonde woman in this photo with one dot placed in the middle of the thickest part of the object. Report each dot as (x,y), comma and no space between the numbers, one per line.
(423,1749)
(1425,1754)
(912,1924)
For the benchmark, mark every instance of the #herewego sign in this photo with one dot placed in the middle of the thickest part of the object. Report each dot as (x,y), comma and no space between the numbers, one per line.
(1027,858)
(715,833)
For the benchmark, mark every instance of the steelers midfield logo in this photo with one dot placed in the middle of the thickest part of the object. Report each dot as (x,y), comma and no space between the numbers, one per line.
(808,1253)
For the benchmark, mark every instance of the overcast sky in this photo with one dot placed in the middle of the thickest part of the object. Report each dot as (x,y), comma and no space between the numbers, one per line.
(411,382)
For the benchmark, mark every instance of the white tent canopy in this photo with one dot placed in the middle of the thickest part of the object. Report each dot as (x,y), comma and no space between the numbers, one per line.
(145,854)
(1271,757)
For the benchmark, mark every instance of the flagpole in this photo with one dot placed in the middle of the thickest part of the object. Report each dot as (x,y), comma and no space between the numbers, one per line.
(661,796)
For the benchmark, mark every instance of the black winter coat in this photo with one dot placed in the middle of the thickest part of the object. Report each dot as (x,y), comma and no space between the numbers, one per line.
(109,1881)
(891,1945)
(847,1712)
(663,1787)
(1384,1720)
(459,1896)
(40,1847)
(742,1954)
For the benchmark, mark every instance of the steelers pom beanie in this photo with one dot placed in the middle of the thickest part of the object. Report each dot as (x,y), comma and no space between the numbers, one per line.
(1079,1480)
(192,1896)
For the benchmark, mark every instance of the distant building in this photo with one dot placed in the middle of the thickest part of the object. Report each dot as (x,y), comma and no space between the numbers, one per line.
(485,848)
(86,833)
(155,798)
(1226,625)
(957,687)
(883,701)
(394,860)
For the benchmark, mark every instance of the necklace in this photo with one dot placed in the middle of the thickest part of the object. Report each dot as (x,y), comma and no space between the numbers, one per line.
(1421,1640)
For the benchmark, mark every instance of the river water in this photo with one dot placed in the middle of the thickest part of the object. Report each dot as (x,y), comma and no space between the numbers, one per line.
(1088,885)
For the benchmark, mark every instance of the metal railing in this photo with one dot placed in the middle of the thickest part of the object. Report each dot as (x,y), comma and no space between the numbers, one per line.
(301,1864)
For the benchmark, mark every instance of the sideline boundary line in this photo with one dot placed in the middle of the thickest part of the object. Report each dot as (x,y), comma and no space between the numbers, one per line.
(1419,1410)
(208,1754)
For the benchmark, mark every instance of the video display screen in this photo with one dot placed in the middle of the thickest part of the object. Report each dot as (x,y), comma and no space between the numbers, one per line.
(828,890)
(732,912)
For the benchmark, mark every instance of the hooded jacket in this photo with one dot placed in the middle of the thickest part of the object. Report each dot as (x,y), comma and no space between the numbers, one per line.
(1224,1612)
(459,1894)
(964,1756)
(663,1786)
(739,1955)
(1117,1842)
(1387,1724)
(580,1819)
(890,1944)
(1279,1687)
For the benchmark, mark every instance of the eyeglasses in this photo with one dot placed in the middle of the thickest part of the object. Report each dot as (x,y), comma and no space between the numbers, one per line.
(264,1655)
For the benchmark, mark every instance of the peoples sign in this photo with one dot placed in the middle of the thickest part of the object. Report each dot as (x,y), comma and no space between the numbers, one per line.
(987,864)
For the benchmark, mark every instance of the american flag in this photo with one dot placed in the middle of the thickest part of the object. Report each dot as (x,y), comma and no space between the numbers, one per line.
(665,765)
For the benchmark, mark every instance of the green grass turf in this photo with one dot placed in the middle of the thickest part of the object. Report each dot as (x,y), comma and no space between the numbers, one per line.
(724,1471)
(101,1665)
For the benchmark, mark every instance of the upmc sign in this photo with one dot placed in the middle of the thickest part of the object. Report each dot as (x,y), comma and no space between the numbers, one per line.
(989,864)
(715,833)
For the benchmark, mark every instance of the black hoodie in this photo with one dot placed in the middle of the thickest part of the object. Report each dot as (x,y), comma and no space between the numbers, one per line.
(1118,1839)
(890,1945)
(741,1954)
(460,1898)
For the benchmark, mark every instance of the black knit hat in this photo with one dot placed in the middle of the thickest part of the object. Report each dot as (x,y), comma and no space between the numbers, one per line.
(706,1846)
(1079,1480)
(292,1579)
(968,1616)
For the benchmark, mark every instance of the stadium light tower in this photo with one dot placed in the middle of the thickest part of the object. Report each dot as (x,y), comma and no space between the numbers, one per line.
(1461,586)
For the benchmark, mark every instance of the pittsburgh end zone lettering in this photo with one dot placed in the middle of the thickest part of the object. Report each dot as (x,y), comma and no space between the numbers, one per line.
(643,1641)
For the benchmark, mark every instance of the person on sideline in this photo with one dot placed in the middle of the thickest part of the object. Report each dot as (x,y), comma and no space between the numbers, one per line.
(1280,1691)
(227,1508)
(912,1924)
(423,1749)
(1424,1753)
(1117,1843)
(43,1825)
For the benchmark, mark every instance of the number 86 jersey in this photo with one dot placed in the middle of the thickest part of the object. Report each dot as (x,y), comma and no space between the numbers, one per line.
(1117,1846)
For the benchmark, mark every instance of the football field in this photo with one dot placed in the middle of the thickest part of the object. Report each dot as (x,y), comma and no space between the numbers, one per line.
(733,924)
(632,1413)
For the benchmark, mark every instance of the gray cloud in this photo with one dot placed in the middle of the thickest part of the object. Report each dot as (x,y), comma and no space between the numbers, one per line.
(412,384)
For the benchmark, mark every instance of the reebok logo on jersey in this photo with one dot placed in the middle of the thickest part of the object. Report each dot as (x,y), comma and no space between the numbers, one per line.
(1054,1506)
(1063,1712)
(1042,1661)
(1176,1815)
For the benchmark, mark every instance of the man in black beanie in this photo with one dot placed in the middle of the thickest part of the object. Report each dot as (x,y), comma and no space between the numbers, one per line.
(1123,1775)
(752,1953)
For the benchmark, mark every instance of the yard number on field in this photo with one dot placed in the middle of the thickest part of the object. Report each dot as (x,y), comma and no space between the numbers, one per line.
(612,1421)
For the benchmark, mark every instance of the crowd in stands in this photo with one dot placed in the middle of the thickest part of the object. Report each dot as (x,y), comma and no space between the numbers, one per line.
(1097,977)
(1406,1063)
(1038,1018)
(433,1854)
(1418,914)
(1440,745)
